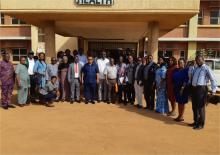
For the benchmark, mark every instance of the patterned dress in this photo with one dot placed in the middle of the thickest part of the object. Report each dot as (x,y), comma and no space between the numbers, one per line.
(161,101)
(7,78)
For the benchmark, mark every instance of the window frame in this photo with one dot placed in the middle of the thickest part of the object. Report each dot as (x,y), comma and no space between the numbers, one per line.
(2,18)
(201,17)
(19,22)
(215,18)
(19,55)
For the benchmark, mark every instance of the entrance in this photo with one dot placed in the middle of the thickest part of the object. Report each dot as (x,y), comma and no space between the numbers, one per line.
(113,49)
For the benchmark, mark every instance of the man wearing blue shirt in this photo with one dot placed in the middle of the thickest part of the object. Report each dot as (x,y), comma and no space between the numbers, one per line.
(90,78)
(202,74)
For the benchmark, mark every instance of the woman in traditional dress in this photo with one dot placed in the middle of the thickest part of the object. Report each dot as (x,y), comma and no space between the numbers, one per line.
(172,65)
(161,101)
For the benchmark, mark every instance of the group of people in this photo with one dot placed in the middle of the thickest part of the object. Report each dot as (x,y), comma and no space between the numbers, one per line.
(104,80)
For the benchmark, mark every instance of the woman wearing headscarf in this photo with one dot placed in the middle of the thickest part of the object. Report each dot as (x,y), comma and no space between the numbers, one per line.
(161,101)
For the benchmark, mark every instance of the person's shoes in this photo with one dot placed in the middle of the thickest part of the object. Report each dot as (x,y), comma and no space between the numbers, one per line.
(132,103)
(191,124)
(78,101)
(71,101)
(5,107)
(179,119)
(11,106)
(198,127)
(86,102)
(49,105)
(21,105)
(171,114)
(113,102)
(120,101)
(93,102)
(139,106)
(108,102)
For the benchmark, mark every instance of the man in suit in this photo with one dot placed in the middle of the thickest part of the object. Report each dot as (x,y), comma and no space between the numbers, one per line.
(74,78)
(149,82)
(129,72)
(138,84)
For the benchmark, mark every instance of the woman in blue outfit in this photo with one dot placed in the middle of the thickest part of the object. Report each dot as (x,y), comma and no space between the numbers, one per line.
(180,79)
(40,71)
(161,101)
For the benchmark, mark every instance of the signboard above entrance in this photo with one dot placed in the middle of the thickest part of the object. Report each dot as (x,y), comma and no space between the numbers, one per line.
(95,2)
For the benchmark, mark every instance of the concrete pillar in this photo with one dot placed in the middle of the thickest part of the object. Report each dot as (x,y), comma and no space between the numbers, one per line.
(34,38)
(192,46)
(50,45)
(153,36)
(141,46)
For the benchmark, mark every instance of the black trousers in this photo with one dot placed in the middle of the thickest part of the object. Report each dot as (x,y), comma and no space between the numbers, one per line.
(130,92)
(121,90)
(199,96)
(32,86)
(149,95)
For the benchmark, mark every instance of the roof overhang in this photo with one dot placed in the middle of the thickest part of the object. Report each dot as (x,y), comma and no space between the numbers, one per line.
(125,19)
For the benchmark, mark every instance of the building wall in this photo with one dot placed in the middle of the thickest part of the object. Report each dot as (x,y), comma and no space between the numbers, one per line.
(190,30)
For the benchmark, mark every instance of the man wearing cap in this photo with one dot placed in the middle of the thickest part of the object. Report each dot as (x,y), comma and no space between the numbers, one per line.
(7,78)
(30,62)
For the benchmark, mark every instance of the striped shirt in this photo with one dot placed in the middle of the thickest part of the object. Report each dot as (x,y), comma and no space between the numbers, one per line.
(202,75)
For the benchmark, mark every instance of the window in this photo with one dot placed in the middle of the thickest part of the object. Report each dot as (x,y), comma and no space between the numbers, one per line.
(200,17)
(168,54)
(17,21)
(160,53)
(215,17)
(2,18)
(210,63)
(18,52)
(182,54)
(217,65)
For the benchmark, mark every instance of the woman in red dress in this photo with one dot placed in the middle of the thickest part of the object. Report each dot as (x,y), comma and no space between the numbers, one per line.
(170,86)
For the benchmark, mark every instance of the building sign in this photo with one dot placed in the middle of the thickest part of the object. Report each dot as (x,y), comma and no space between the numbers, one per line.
(95,2)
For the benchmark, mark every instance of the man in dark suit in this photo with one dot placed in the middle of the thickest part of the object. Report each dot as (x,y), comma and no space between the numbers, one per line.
(138,84)
(149,82)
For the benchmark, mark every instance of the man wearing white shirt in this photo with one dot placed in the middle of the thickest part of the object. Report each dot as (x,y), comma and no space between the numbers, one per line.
(30,62)
(202,74)
(102,85)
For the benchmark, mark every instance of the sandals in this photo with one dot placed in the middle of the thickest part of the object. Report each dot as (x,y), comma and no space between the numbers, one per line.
(179,119)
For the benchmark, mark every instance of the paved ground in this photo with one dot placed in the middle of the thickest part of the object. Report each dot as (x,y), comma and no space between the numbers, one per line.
(103,129)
